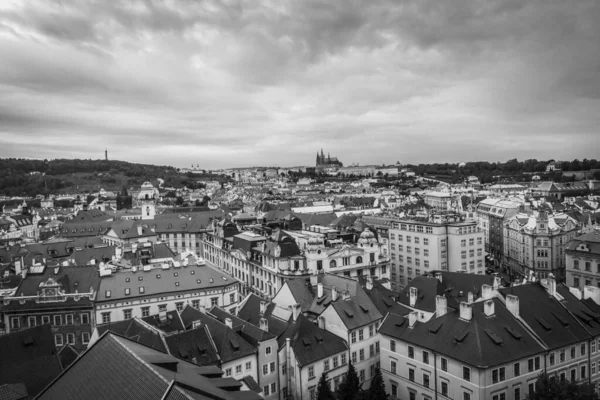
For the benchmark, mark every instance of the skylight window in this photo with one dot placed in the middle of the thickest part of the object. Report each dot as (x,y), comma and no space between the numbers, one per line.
(107,294)
(127,291)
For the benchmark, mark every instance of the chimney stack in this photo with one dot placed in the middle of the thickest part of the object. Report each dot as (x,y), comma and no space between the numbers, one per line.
(413,296)
(139,230)
(314,279)
(319,290)
(229,323)
(264,324)
(369,284)
(438,276)
(470,297)
(412,319)
(202,308)
(466,311)
(497,281)
(488,308)
(346,295)
(512,304)
(592,292)
(441,306)
(575,291)
(334,293)
(321,322)
(486,292)
(263,307)
(551,286)
(295,311)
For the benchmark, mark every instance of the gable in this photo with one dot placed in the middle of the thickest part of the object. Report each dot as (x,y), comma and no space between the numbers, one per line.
(284,297)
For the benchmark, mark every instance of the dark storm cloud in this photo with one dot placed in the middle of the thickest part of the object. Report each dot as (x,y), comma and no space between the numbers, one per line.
(235,82)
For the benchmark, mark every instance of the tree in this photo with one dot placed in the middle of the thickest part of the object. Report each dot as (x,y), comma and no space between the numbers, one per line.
(550,388)
(350,388)
(323,390)
(377,389)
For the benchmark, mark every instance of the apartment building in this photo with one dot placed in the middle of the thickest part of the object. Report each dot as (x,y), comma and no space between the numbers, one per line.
(536,243)
(444,242)
(583,260)
(491,216)
(477,352)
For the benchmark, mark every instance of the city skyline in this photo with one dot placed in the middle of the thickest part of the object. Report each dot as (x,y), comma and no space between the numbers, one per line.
(232,84)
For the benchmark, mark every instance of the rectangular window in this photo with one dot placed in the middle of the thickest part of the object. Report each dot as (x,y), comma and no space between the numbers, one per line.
(517,393)
(105,317)
(70,338)
(273,387)
(361,354)
(517,369)
(354,359)
(444,364)
(311,372)
(272,366)
(214,301)
(57,320)
(265,369)
(467,374)
(537,363)
(392,345)
(371,330)
(361,335)
(411,374)
(426,380)
(361,375)
(85,337)
(530,365)
(179,306)
(425,357)
(583,349)
(411,352)
(45,319)
(353,337)
(31,321)
(145,311)
(85,318)
(562,356)
(583,372)
(266,390)
(162,308)
(127,314)
(228,372)
(573,352)
(196,304)
(371,350)
(326,365)
(335,362)
(58,339)
(444,387)
(69,319)
(238,369)
(377,347)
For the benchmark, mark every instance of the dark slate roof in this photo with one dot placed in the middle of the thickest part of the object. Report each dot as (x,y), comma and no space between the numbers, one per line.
(252,384)
(144,372)
(250,311)
(29,357)
(137,331)
(173,322)
(89,216)
(592,240)
(302,292)
(385,300)
(252,333)
(229,343)
(357,311)
(129,229)
(316,219)
(311,343)
(427,290)
(457,282)
(586,315)
(67,355)
(550,321)
(195,344)
(482,342)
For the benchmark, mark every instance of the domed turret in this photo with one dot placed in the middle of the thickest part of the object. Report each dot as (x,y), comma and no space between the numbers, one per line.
(314,244)
(367,237)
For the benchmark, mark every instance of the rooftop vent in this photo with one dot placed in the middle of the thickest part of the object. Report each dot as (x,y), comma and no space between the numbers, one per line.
(516,335)
(562,320)
(543,323)
(495,338)
(460,338)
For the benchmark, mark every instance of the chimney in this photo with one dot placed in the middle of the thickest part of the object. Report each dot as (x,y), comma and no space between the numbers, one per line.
(334,293)
(470,297)
(592,292)
(551,286)
(466,311)
(413,296)
(229,323)
(319,290)
(202,308)
(264,324)
(321,322)
(263,307)
(139,230)
(488,308)
(438,276)
(412,318)
(441,306)
(314,279)
(497,281)
(512,304)
(296,311)
(369,285)
(575,291)
(346,295)
(486,292)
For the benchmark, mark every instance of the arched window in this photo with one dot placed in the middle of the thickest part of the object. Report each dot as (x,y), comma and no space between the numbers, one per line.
(358,259)
(332,264)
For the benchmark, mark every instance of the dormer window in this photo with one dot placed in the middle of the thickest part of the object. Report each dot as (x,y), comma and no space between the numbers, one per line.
(107,294)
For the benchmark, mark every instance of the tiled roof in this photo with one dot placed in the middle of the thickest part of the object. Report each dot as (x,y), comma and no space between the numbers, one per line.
(252,333)
(251,383)
(131,229)
(551,322)
(481,342)
(230,345)
(137,331)
(136,372)
(427,290)
(250,311)
(385,300)
(357,311)
(15,391)
(171,324)
(194,344)
(311,343)
(83,229)
(159,281)
(89,216)
(316,219)
(592,239)
(586,315)
(29,357)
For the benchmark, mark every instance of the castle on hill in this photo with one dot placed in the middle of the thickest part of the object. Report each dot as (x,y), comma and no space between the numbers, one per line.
(327,162)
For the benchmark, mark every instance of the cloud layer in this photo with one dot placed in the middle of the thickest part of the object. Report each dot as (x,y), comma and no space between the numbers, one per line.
(235,83)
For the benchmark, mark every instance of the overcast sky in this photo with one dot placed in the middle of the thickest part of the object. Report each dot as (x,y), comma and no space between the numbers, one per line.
(236,83)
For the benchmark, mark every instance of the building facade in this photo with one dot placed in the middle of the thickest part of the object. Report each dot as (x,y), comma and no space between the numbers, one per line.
(491,216)
(583,261)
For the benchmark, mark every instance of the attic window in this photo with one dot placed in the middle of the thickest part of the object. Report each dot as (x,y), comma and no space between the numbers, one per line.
(401,322)
(193,272)
(435,328)
(211,280)
(127,279)
(306,342)
(386,303)
(560,319)
(543,323)
(513,333)
(495,338)
(584,318)
(460,338)
(175,273)
(319,338)
(107,294)
(157,276)
(176,283)
(198,281)
(349,313)
(27,340)
(364,308)
(140,278)
(142,290)
(234,344)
